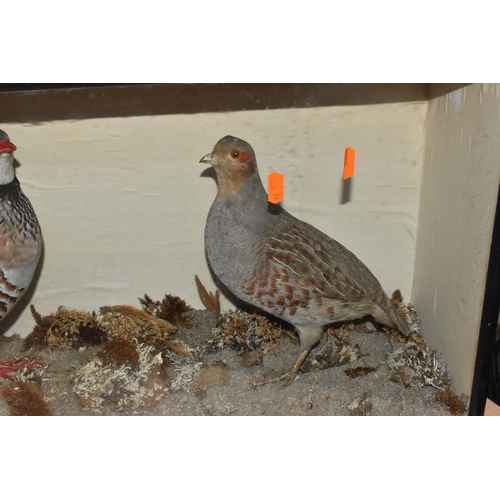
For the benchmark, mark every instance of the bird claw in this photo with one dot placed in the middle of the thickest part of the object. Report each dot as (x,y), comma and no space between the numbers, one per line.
(288,377)
(14,365)
(8,389)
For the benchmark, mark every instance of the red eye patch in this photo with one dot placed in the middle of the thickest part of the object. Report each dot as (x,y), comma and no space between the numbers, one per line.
(243,157)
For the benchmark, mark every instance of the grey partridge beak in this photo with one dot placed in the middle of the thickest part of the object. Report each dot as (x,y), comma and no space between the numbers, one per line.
(209,158)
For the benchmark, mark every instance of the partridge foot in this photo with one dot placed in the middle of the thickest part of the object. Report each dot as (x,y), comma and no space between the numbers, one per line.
(13,366)
(288,376)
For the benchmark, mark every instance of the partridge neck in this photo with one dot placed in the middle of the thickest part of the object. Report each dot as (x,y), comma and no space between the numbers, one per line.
(250,198)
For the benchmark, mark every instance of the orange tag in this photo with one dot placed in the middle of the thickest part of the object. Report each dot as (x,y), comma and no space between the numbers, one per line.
(350,157)
(275,187)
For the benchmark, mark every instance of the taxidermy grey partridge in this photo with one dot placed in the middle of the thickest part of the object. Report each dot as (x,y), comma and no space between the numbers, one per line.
(274,261)
(20,243)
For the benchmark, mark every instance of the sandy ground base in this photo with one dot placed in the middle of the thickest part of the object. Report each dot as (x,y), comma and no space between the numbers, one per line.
(215,383)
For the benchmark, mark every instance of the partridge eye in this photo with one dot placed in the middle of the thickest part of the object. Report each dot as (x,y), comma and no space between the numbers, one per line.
(235,153)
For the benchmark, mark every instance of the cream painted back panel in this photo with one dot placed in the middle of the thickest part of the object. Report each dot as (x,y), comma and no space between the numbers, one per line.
(122,202)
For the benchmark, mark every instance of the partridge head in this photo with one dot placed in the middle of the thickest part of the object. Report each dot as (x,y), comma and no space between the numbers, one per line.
(20,241)
(280,264)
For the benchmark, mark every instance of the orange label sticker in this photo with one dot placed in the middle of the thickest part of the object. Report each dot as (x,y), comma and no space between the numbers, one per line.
(350,158)
(275,187)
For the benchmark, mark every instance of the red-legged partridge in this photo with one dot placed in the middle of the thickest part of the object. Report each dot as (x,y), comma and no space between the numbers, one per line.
(20,243)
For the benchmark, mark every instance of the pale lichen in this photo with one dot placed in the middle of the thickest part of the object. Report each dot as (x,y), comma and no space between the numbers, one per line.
(98,384)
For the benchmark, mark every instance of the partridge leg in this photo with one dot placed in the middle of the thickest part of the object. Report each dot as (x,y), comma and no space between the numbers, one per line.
(307,339)
(289,375)
(13,366)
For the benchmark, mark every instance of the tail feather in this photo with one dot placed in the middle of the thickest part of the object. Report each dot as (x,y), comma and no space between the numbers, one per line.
(387,314)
